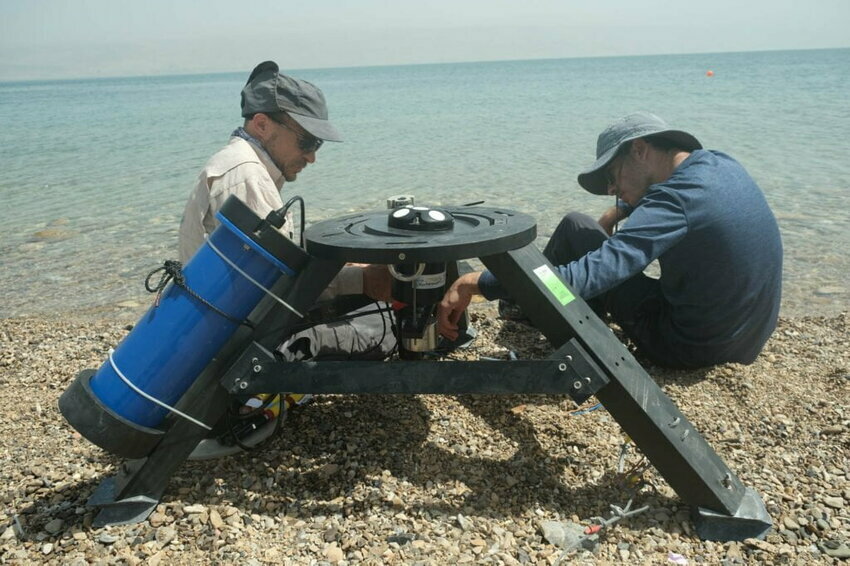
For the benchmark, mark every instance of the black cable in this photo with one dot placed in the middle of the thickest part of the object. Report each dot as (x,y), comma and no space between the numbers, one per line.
(173,270)
(305,325)
(285,209)
(231,425)
(233,418)
(363,355)
(616,214)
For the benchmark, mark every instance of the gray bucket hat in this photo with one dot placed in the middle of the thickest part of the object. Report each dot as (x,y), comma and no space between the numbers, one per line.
(631,127)
(269,91)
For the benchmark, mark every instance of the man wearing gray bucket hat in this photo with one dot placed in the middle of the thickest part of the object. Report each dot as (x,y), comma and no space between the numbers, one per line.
(615,137)
(700,215)
(285,124)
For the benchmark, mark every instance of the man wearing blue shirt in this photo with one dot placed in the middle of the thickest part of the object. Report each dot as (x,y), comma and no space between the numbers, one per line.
(700,215)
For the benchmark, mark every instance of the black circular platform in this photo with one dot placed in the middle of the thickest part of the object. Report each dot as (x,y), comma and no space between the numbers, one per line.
(368,237)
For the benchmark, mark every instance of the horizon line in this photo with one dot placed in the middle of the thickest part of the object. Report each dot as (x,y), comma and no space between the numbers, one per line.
(326,68)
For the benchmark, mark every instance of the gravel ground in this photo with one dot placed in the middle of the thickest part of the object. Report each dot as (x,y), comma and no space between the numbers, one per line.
(438,479)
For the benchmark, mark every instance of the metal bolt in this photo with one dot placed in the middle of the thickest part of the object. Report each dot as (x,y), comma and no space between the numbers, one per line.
(727,481)
(258,368)
(569,358)
(255,360)
(587,380)
(674,423)
(577,385)
(562,367)
(243,385)
(402,256)
(686,433)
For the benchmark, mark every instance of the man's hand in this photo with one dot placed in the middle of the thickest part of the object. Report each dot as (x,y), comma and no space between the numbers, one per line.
(610,218)
(377,282)
(454,302)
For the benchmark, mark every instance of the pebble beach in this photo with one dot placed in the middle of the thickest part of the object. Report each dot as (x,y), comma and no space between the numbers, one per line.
(433,480)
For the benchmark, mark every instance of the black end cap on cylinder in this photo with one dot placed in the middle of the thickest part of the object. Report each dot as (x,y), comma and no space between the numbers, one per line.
(264,233)
(101,426)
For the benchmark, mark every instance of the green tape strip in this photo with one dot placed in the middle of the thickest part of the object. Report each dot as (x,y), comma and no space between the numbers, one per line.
(554,284)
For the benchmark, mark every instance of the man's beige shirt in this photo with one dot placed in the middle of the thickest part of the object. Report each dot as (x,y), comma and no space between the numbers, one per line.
(246,171)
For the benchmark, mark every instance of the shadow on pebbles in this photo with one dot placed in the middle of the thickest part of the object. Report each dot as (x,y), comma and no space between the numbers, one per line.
(427,479)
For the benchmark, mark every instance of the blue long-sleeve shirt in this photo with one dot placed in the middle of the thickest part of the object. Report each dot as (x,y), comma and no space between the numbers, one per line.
(719,249)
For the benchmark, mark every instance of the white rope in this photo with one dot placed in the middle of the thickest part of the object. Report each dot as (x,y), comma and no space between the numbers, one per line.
(251,279)
(153,399)
(406,278)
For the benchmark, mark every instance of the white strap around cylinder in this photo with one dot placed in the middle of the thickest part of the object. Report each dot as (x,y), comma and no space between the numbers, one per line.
(251,279)
(150,398)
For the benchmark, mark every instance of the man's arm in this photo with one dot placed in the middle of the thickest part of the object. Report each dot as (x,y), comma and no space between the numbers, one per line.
(613,215)
(377,282)
(454,302)
(372,280)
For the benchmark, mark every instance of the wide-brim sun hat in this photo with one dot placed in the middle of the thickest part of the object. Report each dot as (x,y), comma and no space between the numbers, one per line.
(269,91)
(626,129)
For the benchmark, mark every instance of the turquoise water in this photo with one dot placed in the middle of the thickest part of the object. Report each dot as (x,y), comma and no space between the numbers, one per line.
(94,173)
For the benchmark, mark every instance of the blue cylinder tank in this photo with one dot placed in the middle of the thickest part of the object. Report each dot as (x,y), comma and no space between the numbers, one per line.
(175,340)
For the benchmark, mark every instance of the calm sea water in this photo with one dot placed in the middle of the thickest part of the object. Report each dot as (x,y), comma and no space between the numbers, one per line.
(94,173)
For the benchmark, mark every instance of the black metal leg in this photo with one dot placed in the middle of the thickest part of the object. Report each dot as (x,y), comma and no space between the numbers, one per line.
(301,294)
(133,493)
(691,467)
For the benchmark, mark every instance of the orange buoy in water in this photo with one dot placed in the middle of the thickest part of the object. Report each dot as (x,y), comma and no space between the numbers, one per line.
(709,73)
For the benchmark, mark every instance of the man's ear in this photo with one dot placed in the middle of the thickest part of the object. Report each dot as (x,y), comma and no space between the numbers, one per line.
(640,149)
(259,126)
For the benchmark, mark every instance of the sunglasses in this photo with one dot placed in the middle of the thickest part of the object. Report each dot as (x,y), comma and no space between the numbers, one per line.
(306,142)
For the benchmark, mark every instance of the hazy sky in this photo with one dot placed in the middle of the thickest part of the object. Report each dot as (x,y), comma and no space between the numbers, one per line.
(85,38)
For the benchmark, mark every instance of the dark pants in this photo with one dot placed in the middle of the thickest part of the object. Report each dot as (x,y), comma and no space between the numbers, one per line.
(637,304)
